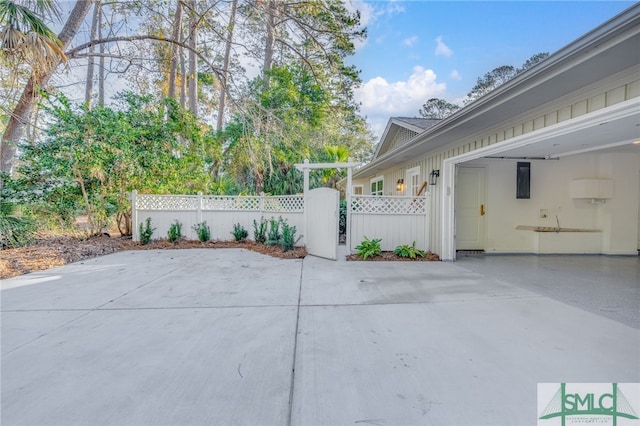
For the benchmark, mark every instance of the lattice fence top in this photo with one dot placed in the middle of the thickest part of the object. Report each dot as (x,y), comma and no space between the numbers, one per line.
(166,202)
(370,204)
(224,202)
(284,203)
(275,204)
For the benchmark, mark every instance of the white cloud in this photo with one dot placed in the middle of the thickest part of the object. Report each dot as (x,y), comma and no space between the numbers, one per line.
(441,48)
(381,99)
(410,41)
(455,75)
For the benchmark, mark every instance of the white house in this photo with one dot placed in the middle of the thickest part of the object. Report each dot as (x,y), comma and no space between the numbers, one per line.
(549,162)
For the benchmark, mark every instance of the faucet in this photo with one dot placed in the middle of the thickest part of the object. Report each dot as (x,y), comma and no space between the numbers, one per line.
(558,222)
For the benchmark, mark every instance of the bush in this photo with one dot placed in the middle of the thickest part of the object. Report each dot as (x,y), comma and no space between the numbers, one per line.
(288,236)
(274,235)
(409,251)
(175,232)
(146,231)
(203,231)
(260,231)
(369,248)
(14,231)
(239,233)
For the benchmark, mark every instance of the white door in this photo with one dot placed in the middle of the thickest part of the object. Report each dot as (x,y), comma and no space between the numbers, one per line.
(322,223)
(470,208)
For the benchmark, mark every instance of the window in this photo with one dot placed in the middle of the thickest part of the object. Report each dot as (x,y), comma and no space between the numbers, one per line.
(377,185)
(413,181)
(356,190)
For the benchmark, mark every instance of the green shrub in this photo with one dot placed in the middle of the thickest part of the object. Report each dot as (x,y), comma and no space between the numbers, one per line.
(409,251)
(146,231)
(175,232)
(288,236)
(239,233)
(14,231)
(203,231)
(274,235)
(260,231)
(369,248)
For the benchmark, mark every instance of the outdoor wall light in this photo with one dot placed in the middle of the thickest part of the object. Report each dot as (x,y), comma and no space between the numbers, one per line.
(400,185)
(433,177)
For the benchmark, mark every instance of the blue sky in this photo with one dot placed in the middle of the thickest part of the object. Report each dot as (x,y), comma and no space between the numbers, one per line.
(416,50)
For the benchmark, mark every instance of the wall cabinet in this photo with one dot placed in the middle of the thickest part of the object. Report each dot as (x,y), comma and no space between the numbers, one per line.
(591,188)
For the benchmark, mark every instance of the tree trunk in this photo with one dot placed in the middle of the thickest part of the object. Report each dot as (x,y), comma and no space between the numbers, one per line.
(101,62)
(22,112)
(92,60)
(193,64)
(269,40)
(177,31)
(183,81)
(225,68)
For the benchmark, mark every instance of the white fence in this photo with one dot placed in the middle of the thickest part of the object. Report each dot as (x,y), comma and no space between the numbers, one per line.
(395,220)
(221,213)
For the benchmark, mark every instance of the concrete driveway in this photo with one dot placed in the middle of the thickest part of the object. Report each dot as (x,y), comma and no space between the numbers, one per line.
(227,337)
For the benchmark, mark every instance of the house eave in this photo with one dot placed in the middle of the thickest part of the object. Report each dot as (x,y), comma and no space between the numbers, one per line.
(608,49)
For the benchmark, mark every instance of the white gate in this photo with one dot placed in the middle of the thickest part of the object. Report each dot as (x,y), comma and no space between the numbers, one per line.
(321,216)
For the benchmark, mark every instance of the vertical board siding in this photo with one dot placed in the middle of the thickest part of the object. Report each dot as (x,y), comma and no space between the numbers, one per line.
(394,220)
(620,89)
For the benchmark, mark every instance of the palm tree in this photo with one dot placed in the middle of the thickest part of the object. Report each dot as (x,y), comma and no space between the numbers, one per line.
(20,18)
(24,37)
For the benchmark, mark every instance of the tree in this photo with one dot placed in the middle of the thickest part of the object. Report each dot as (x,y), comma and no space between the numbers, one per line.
(91,158)
(26,38)
(225,67)
(95,23)
(39,77)
(500,75)
(437,108)
(177,31)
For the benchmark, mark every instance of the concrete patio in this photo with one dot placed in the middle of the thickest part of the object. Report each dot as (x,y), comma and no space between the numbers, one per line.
(231,337)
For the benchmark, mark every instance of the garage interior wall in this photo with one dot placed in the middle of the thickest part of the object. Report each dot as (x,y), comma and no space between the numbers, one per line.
(617,219)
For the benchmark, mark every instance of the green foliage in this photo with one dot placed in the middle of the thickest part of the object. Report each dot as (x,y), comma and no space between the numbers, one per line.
(90,160)
(146,231)
(239,233)
(296,116)
(342,222)
(260,231)
(175,232)
(273,234)
(203,231)
(14,231)
(288,238)
(369,248)
(409,251)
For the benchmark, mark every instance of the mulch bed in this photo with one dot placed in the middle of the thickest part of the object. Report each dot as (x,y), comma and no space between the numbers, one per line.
(52,252)
(389,256)
(57,251)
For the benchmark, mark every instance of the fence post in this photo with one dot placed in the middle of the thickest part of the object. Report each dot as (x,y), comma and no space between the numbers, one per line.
(199,211)
(261,207)
(134,216)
